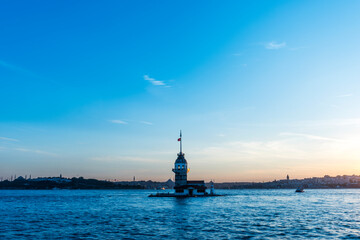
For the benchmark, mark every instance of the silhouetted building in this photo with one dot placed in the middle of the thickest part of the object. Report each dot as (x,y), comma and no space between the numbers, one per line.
(182,185)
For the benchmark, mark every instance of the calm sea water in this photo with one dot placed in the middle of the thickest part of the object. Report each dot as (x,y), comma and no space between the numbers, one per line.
(130,214)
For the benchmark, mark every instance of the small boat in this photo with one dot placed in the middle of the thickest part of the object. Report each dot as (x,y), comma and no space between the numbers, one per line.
(299,189)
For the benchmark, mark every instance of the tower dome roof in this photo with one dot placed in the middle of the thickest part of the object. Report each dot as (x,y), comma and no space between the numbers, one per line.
(181,158)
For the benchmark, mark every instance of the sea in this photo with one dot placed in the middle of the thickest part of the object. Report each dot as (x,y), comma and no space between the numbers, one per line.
(131,214)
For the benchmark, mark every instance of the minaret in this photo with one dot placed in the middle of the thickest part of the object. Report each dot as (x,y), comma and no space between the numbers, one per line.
(180,168)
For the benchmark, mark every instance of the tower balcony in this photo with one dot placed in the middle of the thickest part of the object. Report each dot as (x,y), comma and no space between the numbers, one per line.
(182,170)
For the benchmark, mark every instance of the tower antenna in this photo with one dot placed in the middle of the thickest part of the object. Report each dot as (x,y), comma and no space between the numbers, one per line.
(180,142)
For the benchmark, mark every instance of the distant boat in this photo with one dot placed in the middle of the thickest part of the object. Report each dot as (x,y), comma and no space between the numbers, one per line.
(299,189)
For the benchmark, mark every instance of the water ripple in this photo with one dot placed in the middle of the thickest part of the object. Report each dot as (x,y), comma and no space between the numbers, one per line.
(130,214)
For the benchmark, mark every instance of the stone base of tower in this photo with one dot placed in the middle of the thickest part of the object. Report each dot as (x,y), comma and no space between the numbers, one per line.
(185,195)
(191,189)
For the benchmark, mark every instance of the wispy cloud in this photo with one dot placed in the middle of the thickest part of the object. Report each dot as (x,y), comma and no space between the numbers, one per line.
(9,139)
(329,123)
(146,123)
(23,71)
(317,124)
(34,151)
(125,158)
(17,69)
(308,136)
(10,66)
(302,148)
(275,45)
(257,151)
(118,121)
(345,95)
(153,81)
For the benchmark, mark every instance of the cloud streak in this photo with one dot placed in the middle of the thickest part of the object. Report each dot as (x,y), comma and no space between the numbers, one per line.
(118,121)
(344,95)
(146,123)
(308,136)
(282,151)
(23,71)
(125,158)
(9,139)
(329,123)
(153,81)
(34,151)
(11,67)
(275,45)
(17,69)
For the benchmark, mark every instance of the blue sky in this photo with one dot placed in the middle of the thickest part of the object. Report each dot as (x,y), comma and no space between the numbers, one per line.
(260,89)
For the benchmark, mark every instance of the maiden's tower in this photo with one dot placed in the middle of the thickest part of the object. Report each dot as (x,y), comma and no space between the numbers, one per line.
(184,187)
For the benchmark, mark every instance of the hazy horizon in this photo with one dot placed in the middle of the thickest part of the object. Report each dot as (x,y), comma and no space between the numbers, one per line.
(260,89)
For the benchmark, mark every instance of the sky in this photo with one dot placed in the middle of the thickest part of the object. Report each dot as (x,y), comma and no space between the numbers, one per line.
(260,89)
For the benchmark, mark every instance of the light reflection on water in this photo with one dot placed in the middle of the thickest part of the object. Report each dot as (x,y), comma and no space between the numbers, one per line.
(241,214)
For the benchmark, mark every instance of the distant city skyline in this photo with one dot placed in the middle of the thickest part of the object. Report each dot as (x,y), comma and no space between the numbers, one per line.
(260,89)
